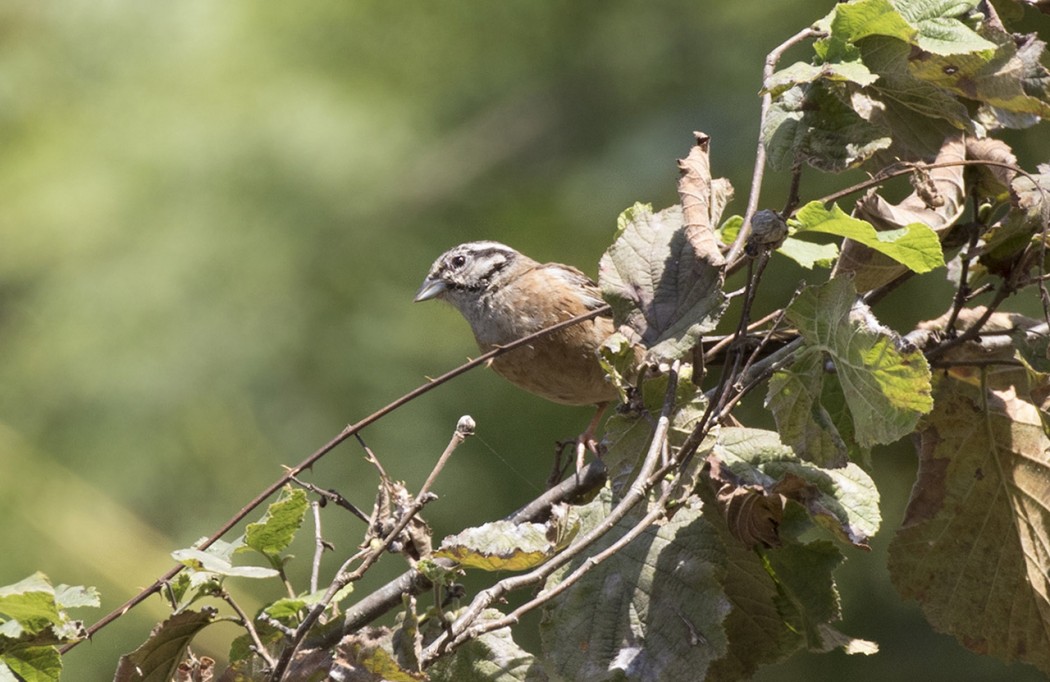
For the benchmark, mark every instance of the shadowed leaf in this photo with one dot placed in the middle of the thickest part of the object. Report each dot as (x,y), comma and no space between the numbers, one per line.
(974,547)
(492,657)
(658,285)
(651,611)
(157,658)
(844,501)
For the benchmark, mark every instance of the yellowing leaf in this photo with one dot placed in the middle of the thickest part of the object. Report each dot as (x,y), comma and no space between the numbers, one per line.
(974,547)
(501,546)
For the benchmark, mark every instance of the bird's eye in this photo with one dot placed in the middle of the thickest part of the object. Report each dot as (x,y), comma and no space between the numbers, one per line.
(459,261)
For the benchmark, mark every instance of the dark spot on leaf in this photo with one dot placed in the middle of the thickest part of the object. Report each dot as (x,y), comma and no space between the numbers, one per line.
(979,474)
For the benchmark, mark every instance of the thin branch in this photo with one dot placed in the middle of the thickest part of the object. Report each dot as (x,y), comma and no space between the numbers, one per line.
(772,59)
(460,631)
(319,545)
(464,429)
(973,331)
(545,596)
(907,169)
(321,452)
(248,625)
(332,496)
(412,582)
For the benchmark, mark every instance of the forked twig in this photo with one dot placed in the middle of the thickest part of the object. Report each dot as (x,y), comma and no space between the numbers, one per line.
(464,629)
(772,59)
(321,452)
(464,429)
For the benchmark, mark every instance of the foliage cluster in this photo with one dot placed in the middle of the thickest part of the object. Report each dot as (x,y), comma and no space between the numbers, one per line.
(712,546)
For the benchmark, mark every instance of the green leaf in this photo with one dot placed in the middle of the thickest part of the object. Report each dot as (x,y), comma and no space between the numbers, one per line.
(658,283)
(800,72)
(492,657)
(206,562)
(277,529)
(74,596)
(845,501)
(32,663)
(651,611)
(974,547)
(852,21)
(808,254)
(160,654)
(886,388)
(794,398)
(30,602)
(943,26)
(915,246)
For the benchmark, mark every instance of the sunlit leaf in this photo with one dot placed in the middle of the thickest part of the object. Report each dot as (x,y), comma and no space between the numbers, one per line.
(915,246)
(808,254)
(500,546)
(278,527)
(31,664)
(886,388)
(203,561)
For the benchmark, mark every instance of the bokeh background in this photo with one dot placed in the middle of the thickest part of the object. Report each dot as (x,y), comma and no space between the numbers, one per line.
(214,219)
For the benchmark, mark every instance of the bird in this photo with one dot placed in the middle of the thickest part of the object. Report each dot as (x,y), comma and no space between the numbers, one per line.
(504,295)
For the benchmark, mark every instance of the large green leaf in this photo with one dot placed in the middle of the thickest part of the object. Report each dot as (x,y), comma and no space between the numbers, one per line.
(885,388)
(659,282)
(974,547)
(651,611)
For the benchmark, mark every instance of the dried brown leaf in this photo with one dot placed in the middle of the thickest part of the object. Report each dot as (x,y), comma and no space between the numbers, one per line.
(937,202)
(702,200)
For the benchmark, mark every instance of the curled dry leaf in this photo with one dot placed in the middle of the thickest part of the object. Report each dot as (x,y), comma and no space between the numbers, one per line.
(393,501)
(752,513)
(994,180)
(937,203)
(663,274)
(703,200)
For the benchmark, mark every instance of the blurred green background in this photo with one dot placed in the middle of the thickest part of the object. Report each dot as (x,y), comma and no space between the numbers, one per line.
(215,217)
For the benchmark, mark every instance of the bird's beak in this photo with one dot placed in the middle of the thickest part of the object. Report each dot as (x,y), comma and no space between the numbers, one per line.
(432,288)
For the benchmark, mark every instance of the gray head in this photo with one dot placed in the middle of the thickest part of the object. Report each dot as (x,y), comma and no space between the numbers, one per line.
(463,272)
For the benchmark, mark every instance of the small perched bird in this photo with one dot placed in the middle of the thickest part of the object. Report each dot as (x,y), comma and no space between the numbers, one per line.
(505,295)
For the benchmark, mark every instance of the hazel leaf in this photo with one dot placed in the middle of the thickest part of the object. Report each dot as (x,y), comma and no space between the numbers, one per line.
(504,545)
(886,387)
(974,546)
(660,287)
